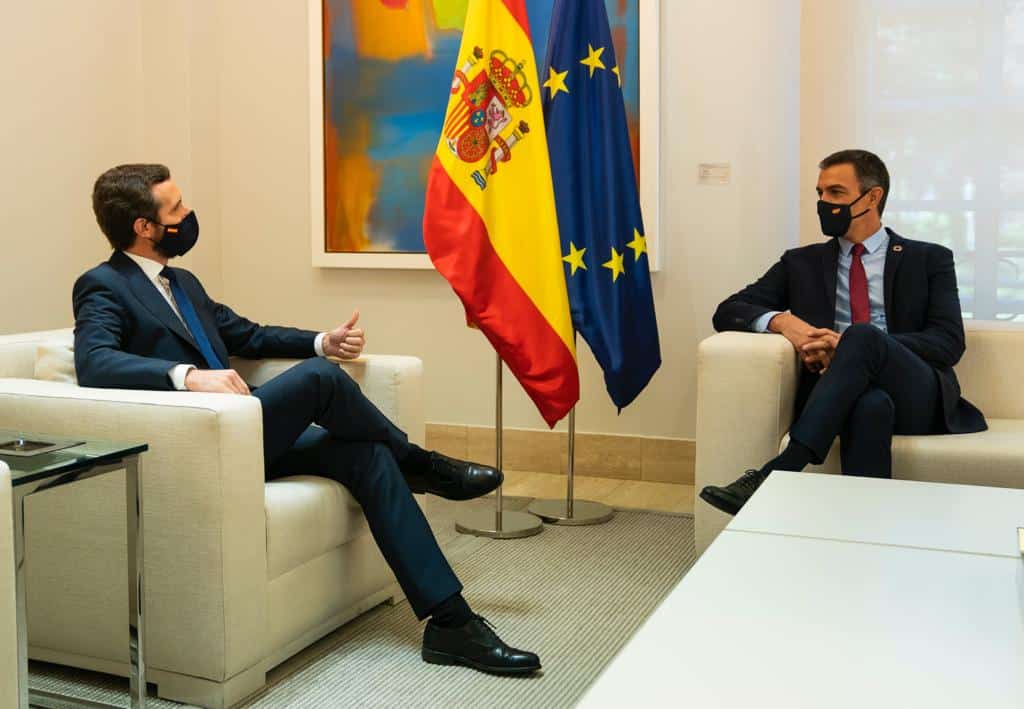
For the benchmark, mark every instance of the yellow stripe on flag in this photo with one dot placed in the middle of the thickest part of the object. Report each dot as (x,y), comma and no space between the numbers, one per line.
(518,204)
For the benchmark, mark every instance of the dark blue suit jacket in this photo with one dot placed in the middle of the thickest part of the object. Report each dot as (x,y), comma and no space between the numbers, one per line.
(922,310)
(127,336)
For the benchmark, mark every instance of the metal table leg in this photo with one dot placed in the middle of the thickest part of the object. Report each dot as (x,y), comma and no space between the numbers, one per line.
(19,584)
(137,668)
(134,529)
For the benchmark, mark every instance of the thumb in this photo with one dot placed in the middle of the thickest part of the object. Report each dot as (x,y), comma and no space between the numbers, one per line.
(352,320)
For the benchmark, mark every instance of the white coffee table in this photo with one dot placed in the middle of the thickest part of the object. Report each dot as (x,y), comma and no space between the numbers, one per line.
(774,616)
(966,518)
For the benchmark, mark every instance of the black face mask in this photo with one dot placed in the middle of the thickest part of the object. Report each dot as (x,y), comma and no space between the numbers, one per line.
(178,239)
(836,218)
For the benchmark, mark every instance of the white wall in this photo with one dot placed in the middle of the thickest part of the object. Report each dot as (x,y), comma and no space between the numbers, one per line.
(730,93)
(831,84)
(65,116)
(87,85)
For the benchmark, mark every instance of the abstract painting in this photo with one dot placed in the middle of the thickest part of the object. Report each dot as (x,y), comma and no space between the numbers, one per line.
(386,67)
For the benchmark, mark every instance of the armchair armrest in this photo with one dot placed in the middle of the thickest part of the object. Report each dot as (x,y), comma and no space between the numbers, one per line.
(392,382)
(746,385)
(204,521)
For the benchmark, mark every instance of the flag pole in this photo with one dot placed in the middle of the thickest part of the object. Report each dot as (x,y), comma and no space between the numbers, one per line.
(500,524)
(570,511)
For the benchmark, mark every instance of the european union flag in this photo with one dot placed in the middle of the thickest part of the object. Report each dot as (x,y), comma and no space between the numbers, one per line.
(602,231)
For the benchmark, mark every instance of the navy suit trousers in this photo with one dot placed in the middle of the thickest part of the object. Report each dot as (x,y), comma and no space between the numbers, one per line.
(316,421)
(875,387)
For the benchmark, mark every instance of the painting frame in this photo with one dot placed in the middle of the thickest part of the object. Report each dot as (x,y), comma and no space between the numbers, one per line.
(650,152)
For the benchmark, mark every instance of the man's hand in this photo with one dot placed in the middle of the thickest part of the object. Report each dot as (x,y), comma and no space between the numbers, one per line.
(818,353)
(808,341)
(218,381)
(345,341)
(792,328)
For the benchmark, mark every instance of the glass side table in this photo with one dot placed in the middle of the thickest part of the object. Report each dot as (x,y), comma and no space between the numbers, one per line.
(42,462)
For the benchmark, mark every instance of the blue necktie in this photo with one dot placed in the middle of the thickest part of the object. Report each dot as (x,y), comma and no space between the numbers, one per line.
(188,313)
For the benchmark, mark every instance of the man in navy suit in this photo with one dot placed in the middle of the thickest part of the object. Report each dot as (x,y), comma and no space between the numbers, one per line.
(140,324)
(876,321)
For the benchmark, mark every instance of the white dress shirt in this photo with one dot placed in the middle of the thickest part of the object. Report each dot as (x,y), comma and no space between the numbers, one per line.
(152,270)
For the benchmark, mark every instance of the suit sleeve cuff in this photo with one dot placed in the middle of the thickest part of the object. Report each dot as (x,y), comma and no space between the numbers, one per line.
(318,344)
(178,374)
(761,324)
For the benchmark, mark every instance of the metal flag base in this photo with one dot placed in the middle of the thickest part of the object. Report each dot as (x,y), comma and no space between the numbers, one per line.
(571,512)
(497,523)
(583,512)
(514,525)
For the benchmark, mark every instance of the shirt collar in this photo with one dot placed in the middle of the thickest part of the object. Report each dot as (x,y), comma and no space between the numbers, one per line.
(150,267)
(871,245)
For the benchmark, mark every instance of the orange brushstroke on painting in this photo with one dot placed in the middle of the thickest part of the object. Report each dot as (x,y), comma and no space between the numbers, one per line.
(390,31)
(350,188)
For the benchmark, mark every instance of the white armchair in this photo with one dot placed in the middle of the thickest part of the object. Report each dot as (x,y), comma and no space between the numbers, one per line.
(8,615)
(240,574)
(745,394)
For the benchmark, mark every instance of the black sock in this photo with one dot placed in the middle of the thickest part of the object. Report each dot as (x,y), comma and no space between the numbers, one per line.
(796,457)
(416,460)
(453,612)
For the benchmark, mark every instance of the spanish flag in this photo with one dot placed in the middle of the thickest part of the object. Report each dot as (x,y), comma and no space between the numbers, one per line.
(489,222)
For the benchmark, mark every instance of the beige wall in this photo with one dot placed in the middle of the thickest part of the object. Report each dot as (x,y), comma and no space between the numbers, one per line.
(225,103)
(66,115)
(730,93)
(87,85)
(830,86)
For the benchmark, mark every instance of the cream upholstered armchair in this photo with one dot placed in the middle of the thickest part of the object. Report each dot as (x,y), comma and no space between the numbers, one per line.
(746,388)
(8,615)
(240,574)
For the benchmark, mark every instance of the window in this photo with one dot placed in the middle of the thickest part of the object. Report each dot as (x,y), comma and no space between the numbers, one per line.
(944,81)
(939,88)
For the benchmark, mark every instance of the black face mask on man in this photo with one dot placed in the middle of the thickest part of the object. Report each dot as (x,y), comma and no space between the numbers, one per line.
(178,239)
(836,218)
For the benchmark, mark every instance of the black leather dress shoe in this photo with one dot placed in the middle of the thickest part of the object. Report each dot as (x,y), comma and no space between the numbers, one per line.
(454,479)
(731,498)
(476,645)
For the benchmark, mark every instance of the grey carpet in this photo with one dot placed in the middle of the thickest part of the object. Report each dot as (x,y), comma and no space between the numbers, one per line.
(572,594)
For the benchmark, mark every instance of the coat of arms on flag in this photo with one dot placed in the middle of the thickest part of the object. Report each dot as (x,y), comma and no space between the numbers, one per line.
(490,90)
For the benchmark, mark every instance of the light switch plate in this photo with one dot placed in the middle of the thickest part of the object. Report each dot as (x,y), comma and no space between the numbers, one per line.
(714,173)
(1020,539)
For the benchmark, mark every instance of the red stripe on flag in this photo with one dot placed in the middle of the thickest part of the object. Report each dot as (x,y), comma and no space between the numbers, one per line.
(517,8)
(456,238)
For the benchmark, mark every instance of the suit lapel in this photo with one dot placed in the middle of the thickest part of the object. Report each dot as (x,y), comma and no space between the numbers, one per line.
(830,265)
(148,295)
(892,262)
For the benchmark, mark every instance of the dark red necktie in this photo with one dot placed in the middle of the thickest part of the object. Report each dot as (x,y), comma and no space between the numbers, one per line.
(860,305)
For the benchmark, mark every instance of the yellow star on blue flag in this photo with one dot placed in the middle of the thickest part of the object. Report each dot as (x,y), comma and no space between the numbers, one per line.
(575,258)
(556,81)
(593,59)
(615,265)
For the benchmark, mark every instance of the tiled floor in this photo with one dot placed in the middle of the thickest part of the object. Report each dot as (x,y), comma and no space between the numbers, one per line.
(663,497)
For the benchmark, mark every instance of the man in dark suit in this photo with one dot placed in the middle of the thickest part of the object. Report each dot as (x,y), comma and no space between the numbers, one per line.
(876,321)
(141,324)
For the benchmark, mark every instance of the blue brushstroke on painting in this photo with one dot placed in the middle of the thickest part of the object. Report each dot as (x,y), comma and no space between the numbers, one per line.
(405,102)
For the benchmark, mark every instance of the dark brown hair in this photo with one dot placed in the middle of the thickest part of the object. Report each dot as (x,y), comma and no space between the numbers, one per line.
(870,170)
(121,195)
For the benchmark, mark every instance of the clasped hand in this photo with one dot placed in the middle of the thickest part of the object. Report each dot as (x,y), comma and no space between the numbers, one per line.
(815,345)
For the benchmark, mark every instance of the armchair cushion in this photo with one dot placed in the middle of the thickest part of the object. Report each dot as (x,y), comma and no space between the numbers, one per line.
(308,516)
(55,361)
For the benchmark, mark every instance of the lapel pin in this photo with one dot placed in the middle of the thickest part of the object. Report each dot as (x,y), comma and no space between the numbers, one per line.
(897,248)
